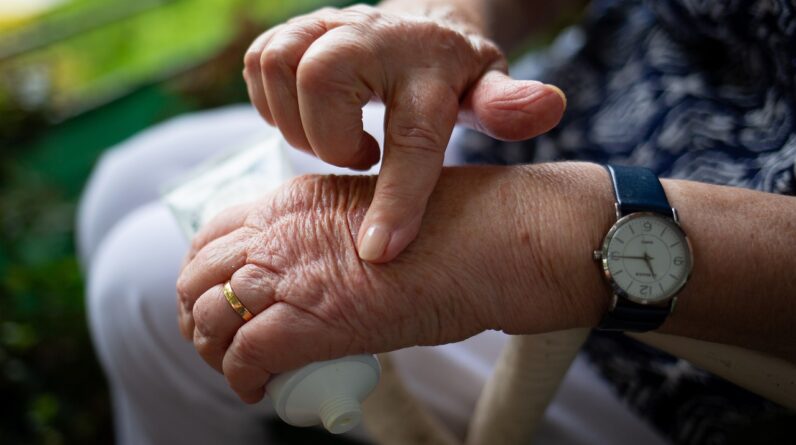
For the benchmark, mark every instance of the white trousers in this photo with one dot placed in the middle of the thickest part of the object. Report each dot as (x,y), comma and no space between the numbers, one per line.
(163,393)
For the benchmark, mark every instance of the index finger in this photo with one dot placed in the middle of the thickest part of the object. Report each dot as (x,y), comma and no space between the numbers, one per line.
(420,120)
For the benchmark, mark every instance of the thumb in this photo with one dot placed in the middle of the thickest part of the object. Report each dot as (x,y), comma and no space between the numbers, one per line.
(512,110)
(419,122)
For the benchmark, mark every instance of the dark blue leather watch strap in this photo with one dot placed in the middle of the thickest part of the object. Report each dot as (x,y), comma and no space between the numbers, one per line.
(633,317)
(636,189)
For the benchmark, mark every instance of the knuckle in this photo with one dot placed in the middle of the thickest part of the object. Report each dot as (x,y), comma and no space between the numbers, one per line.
(416,138)
(183,290)
(274,60)
(203,347)
(328,69)
(257,281)
(246,350)
(319,75)
(201,342)
(311,74)
(201,316)
(397,196)
(488,51)
(251,61)
(250,276)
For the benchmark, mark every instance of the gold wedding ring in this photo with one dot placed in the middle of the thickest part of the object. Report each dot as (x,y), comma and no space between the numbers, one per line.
(236,305)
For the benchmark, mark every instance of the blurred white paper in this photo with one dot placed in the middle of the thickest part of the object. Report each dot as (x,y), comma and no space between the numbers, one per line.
(237,176)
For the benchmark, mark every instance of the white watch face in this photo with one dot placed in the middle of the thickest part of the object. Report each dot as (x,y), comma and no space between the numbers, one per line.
(647,257)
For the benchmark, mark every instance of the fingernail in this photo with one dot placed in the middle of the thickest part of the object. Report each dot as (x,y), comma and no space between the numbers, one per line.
(372,245)
(558,91)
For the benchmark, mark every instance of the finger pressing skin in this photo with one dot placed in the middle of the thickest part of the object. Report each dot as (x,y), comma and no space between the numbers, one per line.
(281,338)
(510,109)
(253,76)
(420,119)
(335,79)
(216,321)
(212,265)
(280,61)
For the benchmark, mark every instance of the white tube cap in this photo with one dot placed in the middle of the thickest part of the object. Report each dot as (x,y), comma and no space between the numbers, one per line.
(328,393)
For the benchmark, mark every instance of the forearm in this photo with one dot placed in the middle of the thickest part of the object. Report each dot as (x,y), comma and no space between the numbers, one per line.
(743,287)
(506,22)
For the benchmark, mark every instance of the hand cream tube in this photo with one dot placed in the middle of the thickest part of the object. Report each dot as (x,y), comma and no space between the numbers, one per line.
(328,392)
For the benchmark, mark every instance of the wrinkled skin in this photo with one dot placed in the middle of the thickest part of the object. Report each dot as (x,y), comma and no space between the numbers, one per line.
(311,76)
(296,258)
(479,263)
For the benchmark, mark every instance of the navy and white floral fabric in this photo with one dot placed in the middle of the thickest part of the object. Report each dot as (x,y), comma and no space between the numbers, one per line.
(696,89)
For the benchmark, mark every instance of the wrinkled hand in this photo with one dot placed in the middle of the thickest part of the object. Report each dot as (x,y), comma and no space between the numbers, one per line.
(311,76)
(292,261)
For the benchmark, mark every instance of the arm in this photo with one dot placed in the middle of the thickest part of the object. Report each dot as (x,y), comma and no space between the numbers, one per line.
(504,248)
(743,287)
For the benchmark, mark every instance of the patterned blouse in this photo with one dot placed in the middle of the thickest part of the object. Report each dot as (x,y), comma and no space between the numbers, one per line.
(695,89)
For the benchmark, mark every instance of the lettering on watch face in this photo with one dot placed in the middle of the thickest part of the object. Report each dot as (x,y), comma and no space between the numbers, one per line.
(648,257)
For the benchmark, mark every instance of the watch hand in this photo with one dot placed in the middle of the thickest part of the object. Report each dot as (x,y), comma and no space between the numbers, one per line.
(647,259)
(629,257)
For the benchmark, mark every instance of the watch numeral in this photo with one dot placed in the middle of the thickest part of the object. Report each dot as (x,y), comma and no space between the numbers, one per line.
(647,226)
(646,290)
(679,261)
(613,256)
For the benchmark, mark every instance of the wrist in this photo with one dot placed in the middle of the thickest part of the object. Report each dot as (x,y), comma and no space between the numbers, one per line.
(563,211)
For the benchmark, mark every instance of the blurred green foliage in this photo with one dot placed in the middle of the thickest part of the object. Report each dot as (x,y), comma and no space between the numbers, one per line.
(87,52)
(52,390)
(73,82)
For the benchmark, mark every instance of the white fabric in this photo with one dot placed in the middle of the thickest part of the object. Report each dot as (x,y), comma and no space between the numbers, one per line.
(163,393)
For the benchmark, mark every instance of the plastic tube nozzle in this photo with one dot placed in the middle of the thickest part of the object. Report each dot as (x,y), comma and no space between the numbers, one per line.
(327,393)
(340,414)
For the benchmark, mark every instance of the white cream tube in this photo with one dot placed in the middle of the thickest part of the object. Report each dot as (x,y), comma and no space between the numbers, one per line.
(328,393)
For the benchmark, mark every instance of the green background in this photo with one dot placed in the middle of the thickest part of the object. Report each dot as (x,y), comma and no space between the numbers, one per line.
(74,81)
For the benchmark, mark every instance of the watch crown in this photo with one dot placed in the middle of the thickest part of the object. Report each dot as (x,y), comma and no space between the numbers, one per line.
(598,254)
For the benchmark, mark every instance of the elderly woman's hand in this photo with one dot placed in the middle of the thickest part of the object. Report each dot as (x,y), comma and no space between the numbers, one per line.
(311,76)
(486,258)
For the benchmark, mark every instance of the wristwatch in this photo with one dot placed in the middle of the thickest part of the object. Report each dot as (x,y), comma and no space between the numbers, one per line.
(645,257)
